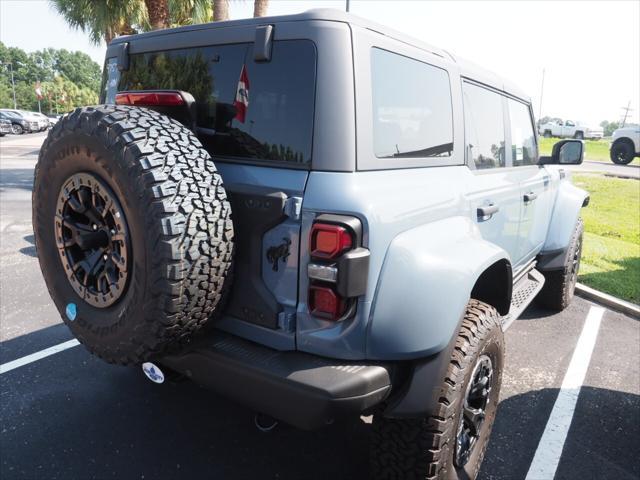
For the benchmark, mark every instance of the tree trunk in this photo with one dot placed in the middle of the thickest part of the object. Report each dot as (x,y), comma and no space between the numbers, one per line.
(158,11)
(220,10)
(260,8)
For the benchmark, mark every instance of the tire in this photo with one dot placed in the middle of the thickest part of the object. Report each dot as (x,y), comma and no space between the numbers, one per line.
(622,152)
(163,230)
(427,448)
(17,129)
(547,134)
(560,285)
(579,136)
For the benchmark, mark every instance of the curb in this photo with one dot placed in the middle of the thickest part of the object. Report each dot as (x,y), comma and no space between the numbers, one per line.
(609,301)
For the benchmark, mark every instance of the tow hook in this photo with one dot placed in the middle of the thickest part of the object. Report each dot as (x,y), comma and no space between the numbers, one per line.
(264,423)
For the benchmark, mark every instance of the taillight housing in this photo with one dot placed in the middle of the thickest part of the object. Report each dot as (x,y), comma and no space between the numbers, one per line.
(146,98)
(329,241)
(338,268)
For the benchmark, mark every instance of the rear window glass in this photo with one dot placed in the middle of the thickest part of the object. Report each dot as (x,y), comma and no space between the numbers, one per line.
(412,112)
(245,110)
(484,127)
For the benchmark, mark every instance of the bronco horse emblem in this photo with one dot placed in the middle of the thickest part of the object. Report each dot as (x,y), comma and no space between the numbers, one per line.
(275,253)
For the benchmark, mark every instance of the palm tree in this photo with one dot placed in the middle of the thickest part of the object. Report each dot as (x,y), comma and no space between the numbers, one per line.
(158,12)
(220,10)
(190,12)
(260,8)
(103,19)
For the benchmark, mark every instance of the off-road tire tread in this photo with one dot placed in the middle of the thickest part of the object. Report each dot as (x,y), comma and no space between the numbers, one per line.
(555,293)
(189,239)
(420,449)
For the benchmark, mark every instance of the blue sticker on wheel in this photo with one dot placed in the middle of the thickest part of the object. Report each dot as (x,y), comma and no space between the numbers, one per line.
(71,311)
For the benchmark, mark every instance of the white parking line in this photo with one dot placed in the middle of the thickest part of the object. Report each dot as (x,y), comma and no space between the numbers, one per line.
(545,461)
(12,365)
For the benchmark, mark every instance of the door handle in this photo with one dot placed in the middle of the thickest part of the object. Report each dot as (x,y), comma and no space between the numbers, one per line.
(530,197)
(486,212)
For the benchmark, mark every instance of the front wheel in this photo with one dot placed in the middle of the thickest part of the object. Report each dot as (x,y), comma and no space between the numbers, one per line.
(451,442)
(560,285)
(17,129)
(579,136)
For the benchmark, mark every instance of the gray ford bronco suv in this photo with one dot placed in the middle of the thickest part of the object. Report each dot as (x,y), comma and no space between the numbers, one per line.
(315,216)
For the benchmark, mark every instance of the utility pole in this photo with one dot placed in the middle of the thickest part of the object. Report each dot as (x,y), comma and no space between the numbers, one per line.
(347,5)
(541,93)
(626,112)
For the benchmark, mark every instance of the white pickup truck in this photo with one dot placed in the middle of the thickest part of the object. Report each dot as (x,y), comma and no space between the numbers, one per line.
(625,145)
(570,129)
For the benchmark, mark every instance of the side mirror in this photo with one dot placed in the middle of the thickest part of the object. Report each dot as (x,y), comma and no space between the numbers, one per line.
(565,152)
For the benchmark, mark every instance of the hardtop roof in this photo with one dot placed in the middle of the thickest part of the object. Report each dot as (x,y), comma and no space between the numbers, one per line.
(467,69)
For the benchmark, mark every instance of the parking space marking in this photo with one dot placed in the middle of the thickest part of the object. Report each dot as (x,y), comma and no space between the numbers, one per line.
(547,456)
(20,362)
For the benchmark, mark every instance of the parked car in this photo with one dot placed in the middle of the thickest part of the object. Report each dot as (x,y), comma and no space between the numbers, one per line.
(36,117)
(43,120)
(625,145)
(377,263)
(53,119)
(19,124)
(570,129)
(5,127)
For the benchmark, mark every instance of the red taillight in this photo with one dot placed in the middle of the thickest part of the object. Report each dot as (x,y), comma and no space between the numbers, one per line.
(329,241)
(325,303)
(165,99)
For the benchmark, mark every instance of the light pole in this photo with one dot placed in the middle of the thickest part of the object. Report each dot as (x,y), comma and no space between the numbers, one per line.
(13,85)
(347,6)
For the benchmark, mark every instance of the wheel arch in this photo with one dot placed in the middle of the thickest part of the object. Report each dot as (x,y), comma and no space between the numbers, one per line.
(428,276)
(494,286)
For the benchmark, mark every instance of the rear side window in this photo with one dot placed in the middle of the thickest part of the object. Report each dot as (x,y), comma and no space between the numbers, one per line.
(523,139)
(110,78)
(484,127)
(412,110)
(261,112)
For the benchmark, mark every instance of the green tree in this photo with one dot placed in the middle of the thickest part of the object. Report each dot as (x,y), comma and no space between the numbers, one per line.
(609,127)
(103,20)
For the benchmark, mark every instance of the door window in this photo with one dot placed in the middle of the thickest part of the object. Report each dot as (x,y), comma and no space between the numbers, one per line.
(523,139)
(484,127)
(412,112)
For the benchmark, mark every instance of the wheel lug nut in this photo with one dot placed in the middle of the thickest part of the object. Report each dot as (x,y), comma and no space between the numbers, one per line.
(105,256)
(113,232)
(94,226)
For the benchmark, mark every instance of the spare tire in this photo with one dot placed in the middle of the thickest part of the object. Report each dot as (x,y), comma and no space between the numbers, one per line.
(133,230)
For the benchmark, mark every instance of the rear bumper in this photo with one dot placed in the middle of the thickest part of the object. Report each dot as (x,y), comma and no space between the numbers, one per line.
(304,390)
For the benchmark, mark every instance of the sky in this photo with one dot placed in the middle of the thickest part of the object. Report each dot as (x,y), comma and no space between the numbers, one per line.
(589,50)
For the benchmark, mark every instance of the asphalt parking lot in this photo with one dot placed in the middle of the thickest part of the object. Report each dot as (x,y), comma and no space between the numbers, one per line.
(71,416)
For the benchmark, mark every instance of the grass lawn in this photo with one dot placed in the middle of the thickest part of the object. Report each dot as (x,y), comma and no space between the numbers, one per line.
(595,150)
(611,252)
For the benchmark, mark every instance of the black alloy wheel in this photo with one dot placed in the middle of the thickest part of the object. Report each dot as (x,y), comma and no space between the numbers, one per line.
(474,410)
(92,239)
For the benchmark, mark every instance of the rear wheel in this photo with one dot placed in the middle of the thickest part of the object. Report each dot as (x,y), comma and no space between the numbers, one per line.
(451,443)
(133,230)
(547,134)
(560,285)
(17,129)
(622,152)
(579,135)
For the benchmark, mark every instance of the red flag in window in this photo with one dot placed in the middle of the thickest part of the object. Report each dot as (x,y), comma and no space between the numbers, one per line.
(242,95)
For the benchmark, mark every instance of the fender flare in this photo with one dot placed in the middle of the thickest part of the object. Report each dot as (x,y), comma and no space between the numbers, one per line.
(569,200)
(424,287)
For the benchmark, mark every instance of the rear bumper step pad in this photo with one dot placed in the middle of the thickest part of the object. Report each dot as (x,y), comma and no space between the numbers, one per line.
(304,390)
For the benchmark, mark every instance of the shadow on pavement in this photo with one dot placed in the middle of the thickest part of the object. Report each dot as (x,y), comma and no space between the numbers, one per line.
(603,441)
(21,178)
(29,251)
